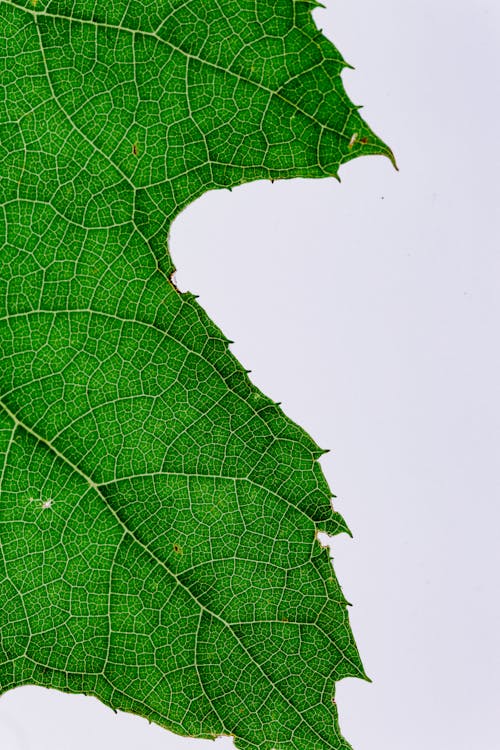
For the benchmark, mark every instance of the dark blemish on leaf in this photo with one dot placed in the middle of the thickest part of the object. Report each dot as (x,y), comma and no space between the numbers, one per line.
(173,281)
(364,141)
(178,549)
(135,149)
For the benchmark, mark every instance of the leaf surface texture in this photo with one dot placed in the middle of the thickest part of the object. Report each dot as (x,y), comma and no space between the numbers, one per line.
(158,514)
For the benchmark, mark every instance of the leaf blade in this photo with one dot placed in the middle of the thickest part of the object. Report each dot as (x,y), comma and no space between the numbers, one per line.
(158,513)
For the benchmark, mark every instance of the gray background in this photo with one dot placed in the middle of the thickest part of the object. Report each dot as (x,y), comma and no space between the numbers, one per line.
(371,310)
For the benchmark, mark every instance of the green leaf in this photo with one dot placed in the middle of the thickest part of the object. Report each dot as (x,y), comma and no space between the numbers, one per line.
(158,514)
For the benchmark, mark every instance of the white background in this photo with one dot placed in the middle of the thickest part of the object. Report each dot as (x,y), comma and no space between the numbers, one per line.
(371,310)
